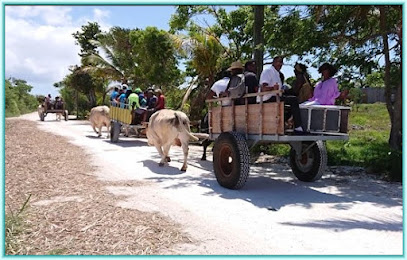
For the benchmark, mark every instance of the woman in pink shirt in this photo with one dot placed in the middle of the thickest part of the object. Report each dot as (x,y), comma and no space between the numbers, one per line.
(326,91)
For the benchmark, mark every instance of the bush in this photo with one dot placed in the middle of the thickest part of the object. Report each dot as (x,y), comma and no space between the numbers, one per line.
(17,98)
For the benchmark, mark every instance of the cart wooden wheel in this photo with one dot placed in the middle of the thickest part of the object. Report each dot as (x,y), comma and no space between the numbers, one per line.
(231,160)
(310,165)
(114,131)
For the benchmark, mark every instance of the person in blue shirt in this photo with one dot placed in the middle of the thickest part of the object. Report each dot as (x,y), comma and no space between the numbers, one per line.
(114,94)
(122,98)
(142,99)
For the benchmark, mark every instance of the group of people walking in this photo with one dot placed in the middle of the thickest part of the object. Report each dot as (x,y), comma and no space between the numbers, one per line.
(271,78)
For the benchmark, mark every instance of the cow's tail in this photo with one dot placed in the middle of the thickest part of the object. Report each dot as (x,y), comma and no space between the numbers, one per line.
(181,126)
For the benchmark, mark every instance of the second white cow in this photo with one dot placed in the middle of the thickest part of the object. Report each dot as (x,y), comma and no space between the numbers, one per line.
(99,117)
(167,127)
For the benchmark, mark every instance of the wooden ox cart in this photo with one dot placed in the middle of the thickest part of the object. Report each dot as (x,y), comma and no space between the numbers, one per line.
(236,128)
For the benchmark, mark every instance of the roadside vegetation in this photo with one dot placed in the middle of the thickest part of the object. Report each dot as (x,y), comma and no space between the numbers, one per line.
(18,101)
(15,225)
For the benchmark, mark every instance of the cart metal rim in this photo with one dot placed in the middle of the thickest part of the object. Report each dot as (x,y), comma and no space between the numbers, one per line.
(226,160)
(305,161)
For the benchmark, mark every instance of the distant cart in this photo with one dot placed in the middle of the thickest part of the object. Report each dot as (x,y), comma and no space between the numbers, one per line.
(121,121)
(44,110)
(236,128)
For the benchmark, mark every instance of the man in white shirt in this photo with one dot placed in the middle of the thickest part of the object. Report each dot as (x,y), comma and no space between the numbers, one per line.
(270,80)
(218,89)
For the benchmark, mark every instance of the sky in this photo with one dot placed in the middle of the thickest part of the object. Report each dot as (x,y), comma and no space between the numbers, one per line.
(40,48)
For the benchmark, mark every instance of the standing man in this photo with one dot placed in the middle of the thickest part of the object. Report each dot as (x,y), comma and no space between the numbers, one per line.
(270,79)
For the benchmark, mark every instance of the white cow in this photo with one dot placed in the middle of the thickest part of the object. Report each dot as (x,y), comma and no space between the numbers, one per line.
(40,110)
(99,117)
(167,127)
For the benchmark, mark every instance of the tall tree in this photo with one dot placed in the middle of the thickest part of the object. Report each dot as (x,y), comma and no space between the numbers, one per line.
(258,39)
(357,39)
(155,58)
(83,38)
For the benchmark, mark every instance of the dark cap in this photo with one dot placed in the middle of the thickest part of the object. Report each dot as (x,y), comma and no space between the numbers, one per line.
(248,63)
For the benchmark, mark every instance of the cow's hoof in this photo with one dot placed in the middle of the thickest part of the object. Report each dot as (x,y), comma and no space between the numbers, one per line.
(203,159)
(184,169)
(99,135)
(168,159)
(161,164)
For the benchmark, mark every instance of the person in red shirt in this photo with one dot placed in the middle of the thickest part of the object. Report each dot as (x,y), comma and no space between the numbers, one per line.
(160,100)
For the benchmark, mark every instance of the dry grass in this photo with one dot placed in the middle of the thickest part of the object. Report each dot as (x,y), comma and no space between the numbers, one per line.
(70,212)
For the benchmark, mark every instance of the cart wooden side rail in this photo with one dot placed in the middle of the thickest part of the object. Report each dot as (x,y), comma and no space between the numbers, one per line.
(236,128)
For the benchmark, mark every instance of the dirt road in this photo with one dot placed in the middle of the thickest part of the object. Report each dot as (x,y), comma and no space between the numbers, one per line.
(274,213)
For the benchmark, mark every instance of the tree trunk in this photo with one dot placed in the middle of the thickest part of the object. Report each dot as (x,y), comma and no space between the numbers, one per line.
(92,98)
(393,106)
(258,37)
(77,107)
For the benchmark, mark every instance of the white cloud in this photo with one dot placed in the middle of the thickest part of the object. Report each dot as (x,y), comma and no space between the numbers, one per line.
(100,15)
(39,46)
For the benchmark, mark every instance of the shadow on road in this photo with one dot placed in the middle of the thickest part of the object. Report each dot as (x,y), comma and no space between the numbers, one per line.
(342,225)
(94,137)
(128,142)
(274,187)
(165,170)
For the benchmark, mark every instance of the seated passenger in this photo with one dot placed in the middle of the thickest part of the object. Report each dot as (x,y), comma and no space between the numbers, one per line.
(326,91)
(270,79)
(151,101)
(236,86)
(122,98)
(160,100)
(48,102)
(114,96)
(251,80)
(302,88)
(59,104)
(219,87)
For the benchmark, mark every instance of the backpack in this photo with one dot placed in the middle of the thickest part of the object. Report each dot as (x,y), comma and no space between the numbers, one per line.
(236,86)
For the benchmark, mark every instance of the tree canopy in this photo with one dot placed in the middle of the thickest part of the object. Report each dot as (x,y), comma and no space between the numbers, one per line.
(362,41)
